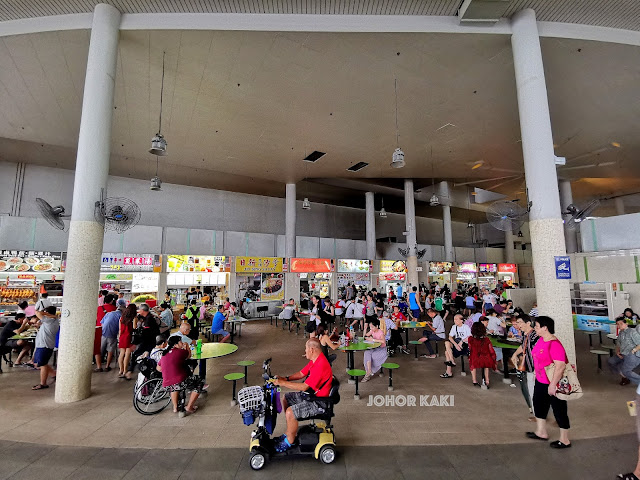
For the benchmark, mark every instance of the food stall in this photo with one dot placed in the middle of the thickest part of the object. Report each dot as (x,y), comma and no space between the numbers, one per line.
(355,272)
(466,273)
(440,272)
(487,275)
(131,274)
(260,284)
(26,273)
(316,276)
(209,272)
(507,273)
(393,274)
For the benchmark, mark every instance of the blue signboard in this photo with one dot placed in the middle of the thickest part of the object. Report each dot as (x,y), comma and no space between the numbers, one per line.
(563,268)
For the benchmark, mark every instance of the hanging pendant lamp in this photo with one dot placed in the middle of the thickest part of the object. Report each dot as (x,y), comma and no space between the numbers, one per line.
(397,159)
(158,143)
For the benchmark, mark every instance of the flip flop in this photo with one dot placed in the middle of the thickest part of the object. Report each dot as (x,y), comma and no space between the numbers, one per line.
(533,436)
(195,408)
(39,387)
(627,476)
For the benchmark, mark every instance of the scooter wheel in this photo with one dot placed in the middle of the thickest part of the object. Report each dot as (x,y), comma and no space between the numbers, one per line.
(257,461)
(327,454)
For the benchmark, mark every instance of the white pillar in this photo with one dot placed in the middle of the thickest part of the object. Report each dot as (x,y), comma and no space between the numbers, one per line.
(619,202)
(449,255)
(290,221)
(545,221)
(73,380)
(509,252)
(566,199)
(410,223)
(370,225)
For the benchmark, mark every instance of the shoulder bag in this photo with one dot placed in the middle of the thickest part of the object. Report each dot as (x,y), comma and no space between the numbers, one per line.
(568,388)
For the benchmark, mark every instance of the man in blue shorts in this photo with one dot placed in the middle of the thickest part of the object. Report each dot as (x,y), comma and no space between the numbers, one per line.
(217,325)
(45,343)
(414,304)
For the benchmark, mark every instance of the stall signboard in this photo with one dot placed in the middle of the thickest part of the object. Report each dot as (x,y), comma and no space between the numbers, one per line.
(195,263)
(507,268)
(487,268)
(394,276)
(124,262)
(360,279)
(440,267)
(354,266)
(392,266)
(311,265)
(144,282)
(468,267)
(125,277)
(259,264)
(272,287)
(30,261)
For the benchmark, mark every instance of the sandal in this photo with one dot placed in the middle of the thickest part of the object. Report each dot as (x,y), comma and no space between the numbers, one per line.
(39,387)
(476,384)
(446,375)
(195,408)
(559,444)
(98,370)
(534,436)
(449,364)
(627,476)
(366,378)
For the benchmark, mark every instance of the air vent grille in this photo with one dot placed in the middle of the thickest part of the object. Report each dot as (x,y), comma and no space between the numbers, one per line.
(357,166)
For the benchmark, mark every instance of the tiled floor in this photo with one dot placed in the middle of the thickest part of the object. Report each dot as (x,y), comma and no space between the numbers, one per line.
(494,417)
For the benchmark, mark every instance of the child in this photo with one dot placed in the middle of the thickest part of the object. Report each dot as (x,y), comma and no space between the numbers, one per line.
(482,354)
(396,340)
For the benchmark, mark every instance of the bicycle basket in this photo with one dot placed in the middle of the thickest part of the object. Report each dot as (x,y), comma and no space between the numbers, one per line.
(250,398)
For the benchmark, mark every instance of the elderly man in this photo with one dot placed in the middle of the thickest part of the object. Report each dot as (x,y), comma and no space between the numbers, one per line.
(626,357)
(110,327)
(298,405)
(183,333)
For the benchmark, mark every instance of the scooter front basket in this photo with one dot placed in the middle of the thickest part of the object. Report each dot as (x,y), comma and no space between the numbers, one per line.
(250,399)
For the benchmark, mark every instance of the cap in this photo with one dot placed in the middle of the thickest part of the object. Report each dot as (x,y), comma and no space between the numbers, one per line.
(121,303)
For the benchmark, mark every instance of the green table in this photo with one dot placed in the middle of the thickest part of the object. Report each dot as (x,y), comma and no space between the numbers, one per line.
(408,325)
(497,342)
(212,350)
(356,347)
(233,322)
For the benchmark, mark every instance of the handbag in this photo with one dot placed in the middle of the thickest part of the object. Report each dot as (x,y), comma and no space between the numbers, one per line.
(136,335)
(568,388)
(523,366)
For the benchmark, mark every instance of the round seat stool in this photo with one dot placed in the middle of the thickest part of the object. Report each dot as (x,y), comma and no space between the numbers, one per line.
(246,364)
(611,348)
(599,353)
(415,344)
(590,334)
(234,377)
(356,373)
(391,367)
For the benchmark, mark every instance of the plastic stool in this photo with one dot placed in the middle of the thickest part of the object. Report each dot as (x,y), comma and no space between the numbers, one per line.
(415,344)
(462,371)
(599,353)
(391,367)
(246,364)
(591,334)
(611,348)
(234,377)
(356,373)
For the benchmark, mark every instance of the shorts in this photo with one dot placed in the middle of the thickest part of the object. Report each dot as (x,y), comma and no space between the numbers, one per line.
(222,332)
(108,345)
(301,405)
(458,353)
(193,383)
(42,356)
(11,344)
(415,313)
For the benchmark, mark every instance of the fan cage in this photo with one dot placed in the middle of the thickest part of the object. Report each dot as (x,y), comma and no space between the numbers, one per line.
(117,213)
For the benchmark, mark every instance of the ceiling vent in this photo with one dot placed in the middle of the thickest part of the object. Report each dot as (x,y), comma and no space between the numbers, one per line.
(482,11)
(357,166)
(314,156)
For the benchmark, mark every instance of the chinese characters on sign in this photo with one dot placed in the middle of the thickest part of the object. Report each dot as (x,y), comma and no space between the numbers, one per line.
(259,264)
(123,262)
(312,265)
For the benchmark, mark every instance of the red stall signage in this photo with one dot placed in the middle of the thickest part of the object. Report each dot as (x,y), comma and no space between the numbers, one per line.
(311,265)
(507,268)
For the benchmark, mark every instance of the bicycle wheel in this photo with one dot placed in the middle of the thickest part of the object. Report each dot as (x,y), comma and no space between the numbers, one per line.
(151,397)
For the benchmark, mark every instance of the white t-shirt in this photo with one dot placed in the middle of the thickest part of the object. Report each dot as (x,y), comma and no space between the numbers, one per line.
(494,325)
(489,298)
(43,304)
(463,332)
(339,307)
(438,326)
(355,310)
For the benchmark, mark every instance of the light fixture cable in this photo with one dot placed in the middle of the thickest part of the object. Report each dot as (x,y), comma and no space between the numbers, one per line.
(161,95)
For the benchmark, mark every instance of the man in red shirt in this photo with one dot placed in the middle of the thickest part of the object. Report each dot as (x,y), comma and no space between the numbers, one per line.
(297,404)
(108,306)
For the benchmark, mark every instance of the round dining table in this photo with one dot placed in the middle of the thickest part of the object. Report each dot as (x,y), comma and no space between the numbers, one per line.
(211,350)
(359,346)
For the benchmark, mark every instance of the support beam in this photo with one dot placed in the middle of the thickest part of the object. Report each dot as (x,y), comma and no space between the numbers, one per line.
(509,252)
(410,223)
(290,221)
(73,380)
(370,225)
(619,202)
(449,255)
(545,221)
(566,199)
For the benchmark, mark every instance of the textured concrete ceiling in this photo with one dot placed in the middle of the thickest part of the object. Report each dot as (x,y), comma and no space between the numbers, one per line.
(241,109)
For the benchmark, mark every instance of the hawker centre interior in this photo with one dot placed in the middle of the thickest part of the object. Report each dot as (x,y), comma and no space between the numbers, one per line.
(338,238)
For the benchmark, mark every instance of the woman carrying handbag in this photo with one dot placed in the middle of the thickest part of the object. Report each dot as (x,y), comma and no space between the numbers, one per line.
(546,352)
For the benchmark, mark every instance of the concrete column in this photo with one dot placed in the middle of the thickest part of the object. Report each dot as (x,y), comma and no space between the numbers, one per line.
(371,226)
(162,278)
(509,252)
(73,380)
(410,222)
(545,221)
(449,255)
(566,199)
(619,202)
(290,221)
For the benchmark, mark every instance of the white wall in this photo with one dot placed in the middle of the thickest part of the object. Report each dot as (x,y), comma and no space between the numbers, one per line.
(610,233)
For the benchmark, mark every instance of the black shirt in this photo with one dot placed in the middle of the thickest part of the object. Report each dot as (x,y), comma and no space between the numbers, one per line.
(9,331)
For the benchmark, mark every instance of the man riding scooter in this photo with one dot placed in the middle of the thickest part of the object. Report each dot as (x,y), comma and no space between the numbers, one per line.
(300,404)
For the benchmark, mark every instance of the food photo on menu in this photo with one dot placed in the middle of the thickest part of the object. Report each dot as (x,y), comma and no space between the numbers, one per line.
(29,261)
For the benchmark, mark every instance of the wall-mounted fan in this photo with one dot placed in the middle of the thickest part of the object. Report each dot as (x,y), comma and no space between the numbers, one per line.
(577,215)
(53,215)
(117,213)
(420,253)
(506,215)
(404,251)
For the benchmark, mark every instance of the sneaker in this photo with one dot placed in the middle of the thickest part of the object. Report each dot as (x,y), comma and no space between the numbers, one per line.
(406,351)
(283,445)
(366,378)
(428,356)
(446,375)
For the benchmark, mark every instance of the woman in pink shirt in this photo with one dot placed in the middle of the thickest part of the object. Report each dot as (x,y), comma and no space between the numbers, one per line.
(548,350)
